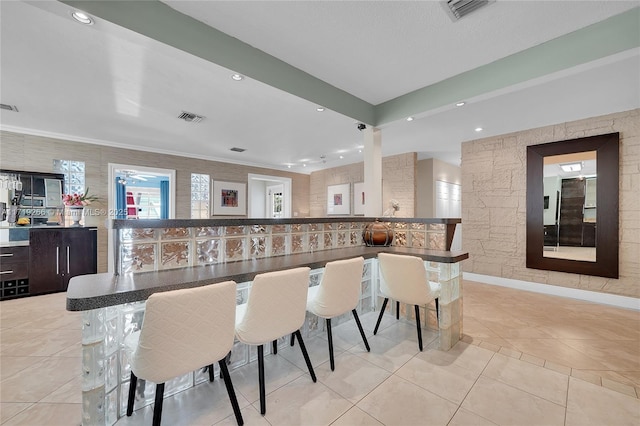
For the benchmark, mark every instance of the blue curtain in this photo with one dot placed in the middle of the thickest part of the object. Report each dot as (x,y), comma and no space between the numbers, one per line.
(164,199)
(121,200)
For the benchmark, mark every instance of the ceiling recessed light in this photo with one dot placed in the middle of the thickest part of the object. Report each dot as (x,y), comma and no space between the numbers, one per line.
(409,118)
(319,109)
(82,17)
(341,157)
(571,167)
(478,129)
(237,77)
(460,104)
(360,151)
(288,166)
(304,165)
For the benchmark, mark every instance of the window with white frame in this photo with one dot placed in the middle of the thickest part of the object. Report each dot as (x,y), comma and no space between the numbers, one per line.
(200,190)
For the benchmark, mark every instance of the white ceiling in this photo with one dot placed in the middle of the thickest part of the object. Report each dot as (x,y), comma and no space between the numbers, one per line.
(379,50)
(107,84)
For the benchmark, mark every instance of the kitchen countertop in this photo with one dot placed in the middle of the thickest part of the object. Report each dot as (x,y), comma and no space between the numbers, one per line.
(14,243)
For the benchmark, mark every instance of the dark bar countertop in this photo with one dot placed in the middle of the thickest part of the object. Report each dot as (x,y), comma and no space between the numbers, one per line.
(86,292)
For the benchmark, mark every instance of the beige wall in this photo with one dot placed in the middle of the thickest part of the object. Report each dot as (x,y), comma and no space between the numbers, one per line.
(428,172)
(494,203)
(425,189)
(398,182)
(36,153)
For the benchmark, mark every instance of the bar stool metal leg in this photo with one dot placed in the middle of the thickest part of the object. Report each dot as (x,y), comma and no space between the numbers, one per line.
(232,394)
(263,398)
(157,407)
(418,326)
(132,393)
(274,347)
(330,337)
(364,338)
(384,305)
(227,361)
(397,310)
(306,355)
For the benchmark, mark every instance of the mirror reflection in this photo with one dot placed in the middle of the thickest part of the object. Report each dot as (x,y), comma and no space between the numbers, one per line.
(569,215)
(572,220)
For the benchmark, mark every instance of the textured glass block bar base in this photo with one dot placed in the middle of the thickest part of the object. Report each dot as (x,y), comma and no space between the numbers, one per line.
(152,245)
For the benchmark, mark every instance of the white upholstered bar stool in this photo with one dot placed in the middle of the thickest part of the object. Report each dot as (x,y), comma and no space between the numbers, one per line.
(276,307)
(338,293)
(404,279)
(182,331)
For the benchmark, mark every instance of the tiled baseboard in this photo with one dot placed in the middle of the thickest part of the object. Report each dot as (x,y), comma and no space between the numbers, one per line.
(553,290)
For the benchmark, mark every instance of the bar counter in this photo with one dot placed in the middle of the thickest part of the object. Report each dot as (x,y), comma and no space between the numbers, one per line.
(152,256)
(88,292)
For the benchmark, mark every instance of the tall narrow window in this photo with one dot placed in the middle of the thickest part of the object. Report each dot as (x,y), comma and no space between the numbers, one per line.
(73,175)
(74,182)
(200,196)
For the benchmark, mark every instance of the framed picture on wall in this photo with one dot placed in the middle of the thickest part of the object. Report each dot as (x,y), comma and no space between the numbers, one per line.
(358,198)
(338,199)
(229,198)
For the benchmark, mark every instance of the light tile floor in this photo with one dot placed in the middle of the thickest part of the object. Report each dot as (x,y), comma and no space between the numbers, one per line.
(526,359)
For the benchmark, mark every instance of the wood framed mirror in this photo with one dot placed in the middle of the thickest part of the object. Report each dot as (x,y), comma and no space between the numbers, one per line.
(572,206)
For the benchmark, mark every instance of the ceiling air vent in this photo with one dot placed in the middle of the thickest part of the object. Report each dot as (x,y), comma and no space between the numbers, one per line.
(456,9)
(9,107)
(235,149)
(190,117)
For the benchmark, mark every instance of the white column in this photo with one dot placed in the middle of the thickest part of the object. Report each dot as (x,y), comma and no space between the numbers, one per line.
(372,171)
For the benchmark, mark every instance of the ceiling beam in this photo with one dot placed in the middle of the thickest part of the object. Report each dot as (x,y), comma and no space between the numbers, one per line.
(606,38)
(158,21)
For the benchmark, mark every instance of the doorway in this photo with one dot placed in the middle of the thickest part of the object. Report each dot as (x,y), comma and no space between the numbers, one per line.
(138,192)
(269,196)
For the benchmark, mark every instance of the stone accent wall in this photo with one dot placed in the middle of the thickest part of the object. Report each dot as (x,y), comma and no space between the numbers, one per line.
(398,182)
(494,203)
(36,153)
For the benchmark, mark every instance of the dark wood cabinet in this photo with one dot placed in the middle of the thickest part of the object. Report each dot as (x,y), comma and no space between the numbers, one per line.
(588,234)
(58,254)
(14,272)
(550,235)
(44,261)
(81,253)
